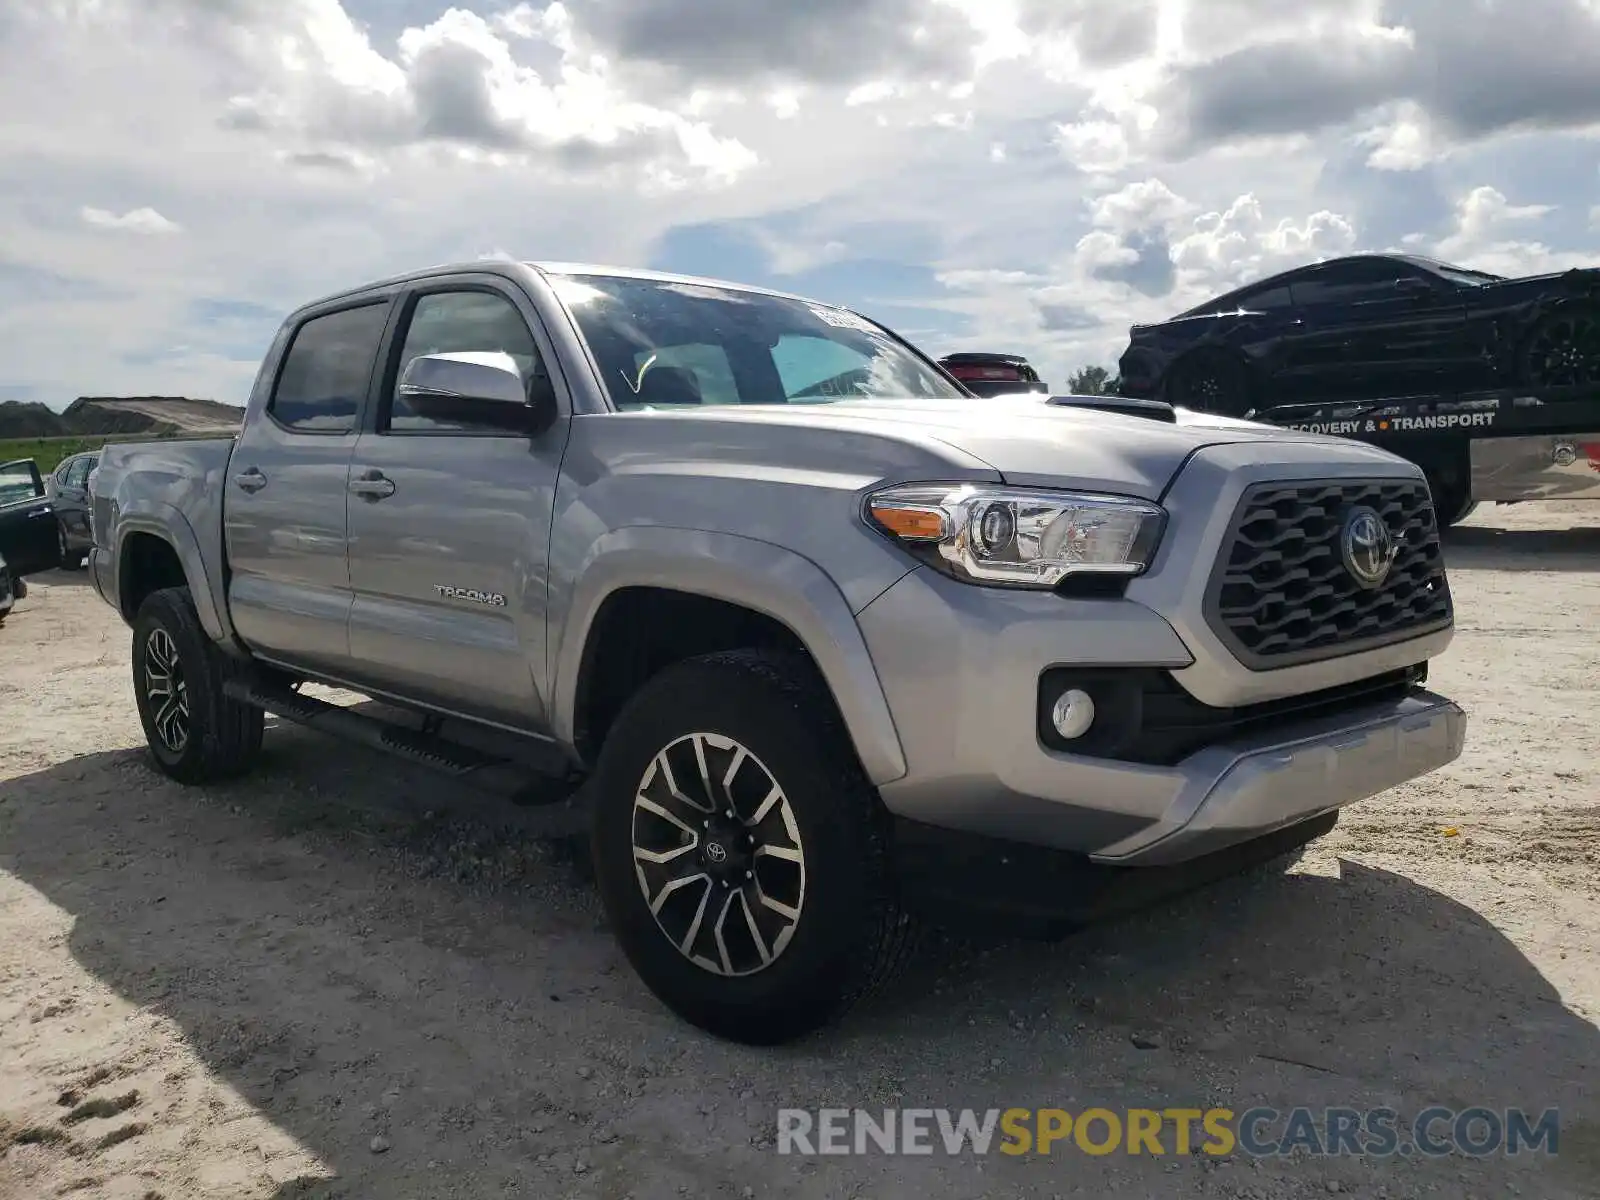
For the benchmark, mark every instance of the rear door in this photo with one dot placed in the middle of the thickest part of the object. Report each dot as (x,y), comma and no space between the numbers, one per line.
(450,527)
(71,497)
(284,507)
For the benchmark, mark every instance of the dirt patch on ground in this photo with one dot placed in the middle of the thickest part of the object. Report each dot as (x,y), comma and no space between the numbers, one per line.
(343,978)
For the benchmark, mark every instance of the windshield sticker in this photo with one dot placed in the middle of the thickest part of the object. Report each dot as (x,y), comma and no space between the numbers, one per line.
(840,319)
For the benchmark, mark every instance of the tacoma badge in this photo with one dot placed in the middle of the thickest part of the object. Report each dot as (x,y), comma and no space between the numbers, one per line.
(492,599)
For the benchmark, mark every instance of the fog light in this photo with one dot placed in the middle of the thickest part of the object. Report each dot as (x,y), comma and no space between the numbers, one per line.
(1072,713)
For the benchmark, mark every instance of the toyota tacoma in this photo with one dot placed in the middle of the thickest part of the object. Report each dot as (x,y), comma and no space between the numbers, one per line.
(812,642)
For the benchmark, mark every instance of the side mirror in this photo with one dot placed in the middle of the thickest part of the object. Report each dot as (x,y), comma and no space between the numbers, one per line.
(483,387)
(484,376)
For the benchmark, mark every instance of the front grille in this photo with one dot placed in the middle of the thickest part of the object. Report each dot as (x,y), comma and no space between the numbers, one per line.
(1282,594)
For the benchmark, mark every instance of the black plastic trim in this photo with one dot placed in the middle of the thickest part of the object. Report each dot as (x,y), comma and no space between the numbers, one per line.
(1145,716)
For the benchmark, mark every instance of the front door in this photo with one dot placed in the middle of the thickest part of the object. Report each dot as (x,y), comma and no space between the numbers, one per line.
(285,494)
(1375,329)
(450,522)
(27,519)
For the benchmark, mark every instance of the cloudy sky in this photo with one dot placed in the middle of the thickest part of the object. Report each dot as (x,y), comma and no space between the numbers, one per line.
(1021,175)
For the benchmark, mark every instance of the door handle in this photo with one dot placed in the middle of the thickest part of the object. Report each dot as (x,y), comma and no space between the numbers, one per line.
(372,485)
(251,480)
(40,513)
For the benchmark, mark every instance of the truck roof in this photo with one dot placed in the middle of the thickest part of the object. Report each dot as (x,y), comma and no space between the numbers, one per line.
(510,267)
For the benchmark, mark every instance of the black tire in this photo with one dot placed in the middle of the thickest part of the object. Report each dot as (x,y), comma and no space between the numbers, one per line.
(221,737)
(851,934)
(1452,500)
(68,560)
(1212,381)
(1563,349)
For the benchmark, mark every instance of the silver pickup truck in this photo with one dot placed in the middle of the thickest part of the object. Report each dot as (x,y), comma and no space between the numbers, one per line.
(816,641)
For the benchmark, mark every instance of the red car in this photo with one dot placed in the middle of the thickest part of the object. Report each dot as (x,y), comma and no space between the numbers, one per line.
(993,374)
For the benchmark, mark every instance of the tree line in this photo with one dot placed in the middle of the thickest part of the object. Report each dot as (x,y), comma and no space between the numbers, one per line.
(1093,381)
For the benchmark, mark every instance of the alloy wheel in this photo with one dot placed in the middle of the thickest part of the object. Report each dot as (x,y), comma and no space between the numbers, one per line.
(1565,350)
(166,691)
(718,854)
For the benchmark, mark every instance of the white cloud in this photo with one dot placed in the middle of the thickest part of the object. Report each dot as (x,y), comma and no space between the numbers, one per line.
(1028,174)
(1492,234)
(135,220)
(1405,142)
(1138,206)
(1098,147)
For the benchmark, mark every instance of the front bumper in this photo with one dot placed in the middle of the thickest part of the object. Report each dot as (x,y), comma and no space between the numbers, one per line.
(961,666)
(1231,794)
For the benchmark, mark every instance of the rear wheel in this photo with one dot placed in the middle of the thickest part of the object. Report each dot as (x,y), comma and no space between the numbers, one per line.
(1212,381)
(1563,349)
(196,733)
(69,560)
(740,851)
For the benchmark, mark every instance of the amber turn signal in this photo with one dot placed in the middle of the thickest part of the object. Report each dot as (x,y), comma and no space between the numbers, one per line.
(912,524)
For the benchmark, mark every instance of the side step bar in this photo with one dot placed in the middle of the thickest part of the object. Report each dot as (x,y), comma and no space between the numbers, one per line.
(520,783)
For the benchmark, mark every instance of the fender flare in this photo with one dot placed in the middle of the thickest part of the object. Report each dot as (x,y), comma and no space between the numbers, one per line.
(167,523)
(757,575)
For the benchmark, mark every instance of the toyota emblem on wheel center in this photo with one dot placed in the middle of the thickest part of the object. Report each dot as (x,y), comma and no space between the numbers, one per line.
(1367,546)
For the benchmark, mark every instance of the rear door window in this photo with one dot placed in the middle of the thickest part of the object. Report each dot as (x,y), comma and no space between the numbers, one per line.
(328,369)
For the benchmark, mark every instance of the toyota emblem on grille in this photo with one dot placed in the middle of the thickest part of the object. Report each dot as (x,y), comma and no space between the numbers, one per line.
(1367,546)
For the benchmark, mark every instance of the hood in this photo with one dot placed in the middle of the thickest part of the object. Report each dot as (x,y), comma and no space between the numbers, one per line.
(1029,442)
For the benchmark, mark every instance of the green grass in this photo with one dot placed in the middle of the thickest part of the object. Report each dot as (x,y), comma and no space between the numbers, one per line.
(48,452)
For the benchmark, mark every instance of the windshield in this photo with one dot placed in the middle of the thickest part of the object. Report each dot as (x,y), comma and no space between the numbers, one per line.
(663,344)
(1459,274)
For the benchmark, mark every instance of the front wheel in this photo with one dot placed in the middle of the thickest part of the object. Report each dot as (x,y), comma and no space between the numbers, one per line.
(1452,498)
(196,733)
(740,851)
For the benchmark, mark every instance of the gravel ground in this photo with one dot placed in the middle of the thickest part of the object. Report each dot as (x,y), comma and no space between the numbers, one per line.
(345,978)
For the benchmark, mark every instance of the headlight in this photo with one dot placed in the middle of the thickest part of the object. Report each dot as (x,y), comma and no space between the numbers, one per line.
(1018,537)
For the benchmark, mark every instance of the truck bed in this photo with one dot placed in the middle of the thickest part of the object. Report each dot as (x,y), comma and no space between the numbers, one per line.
(174,486)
